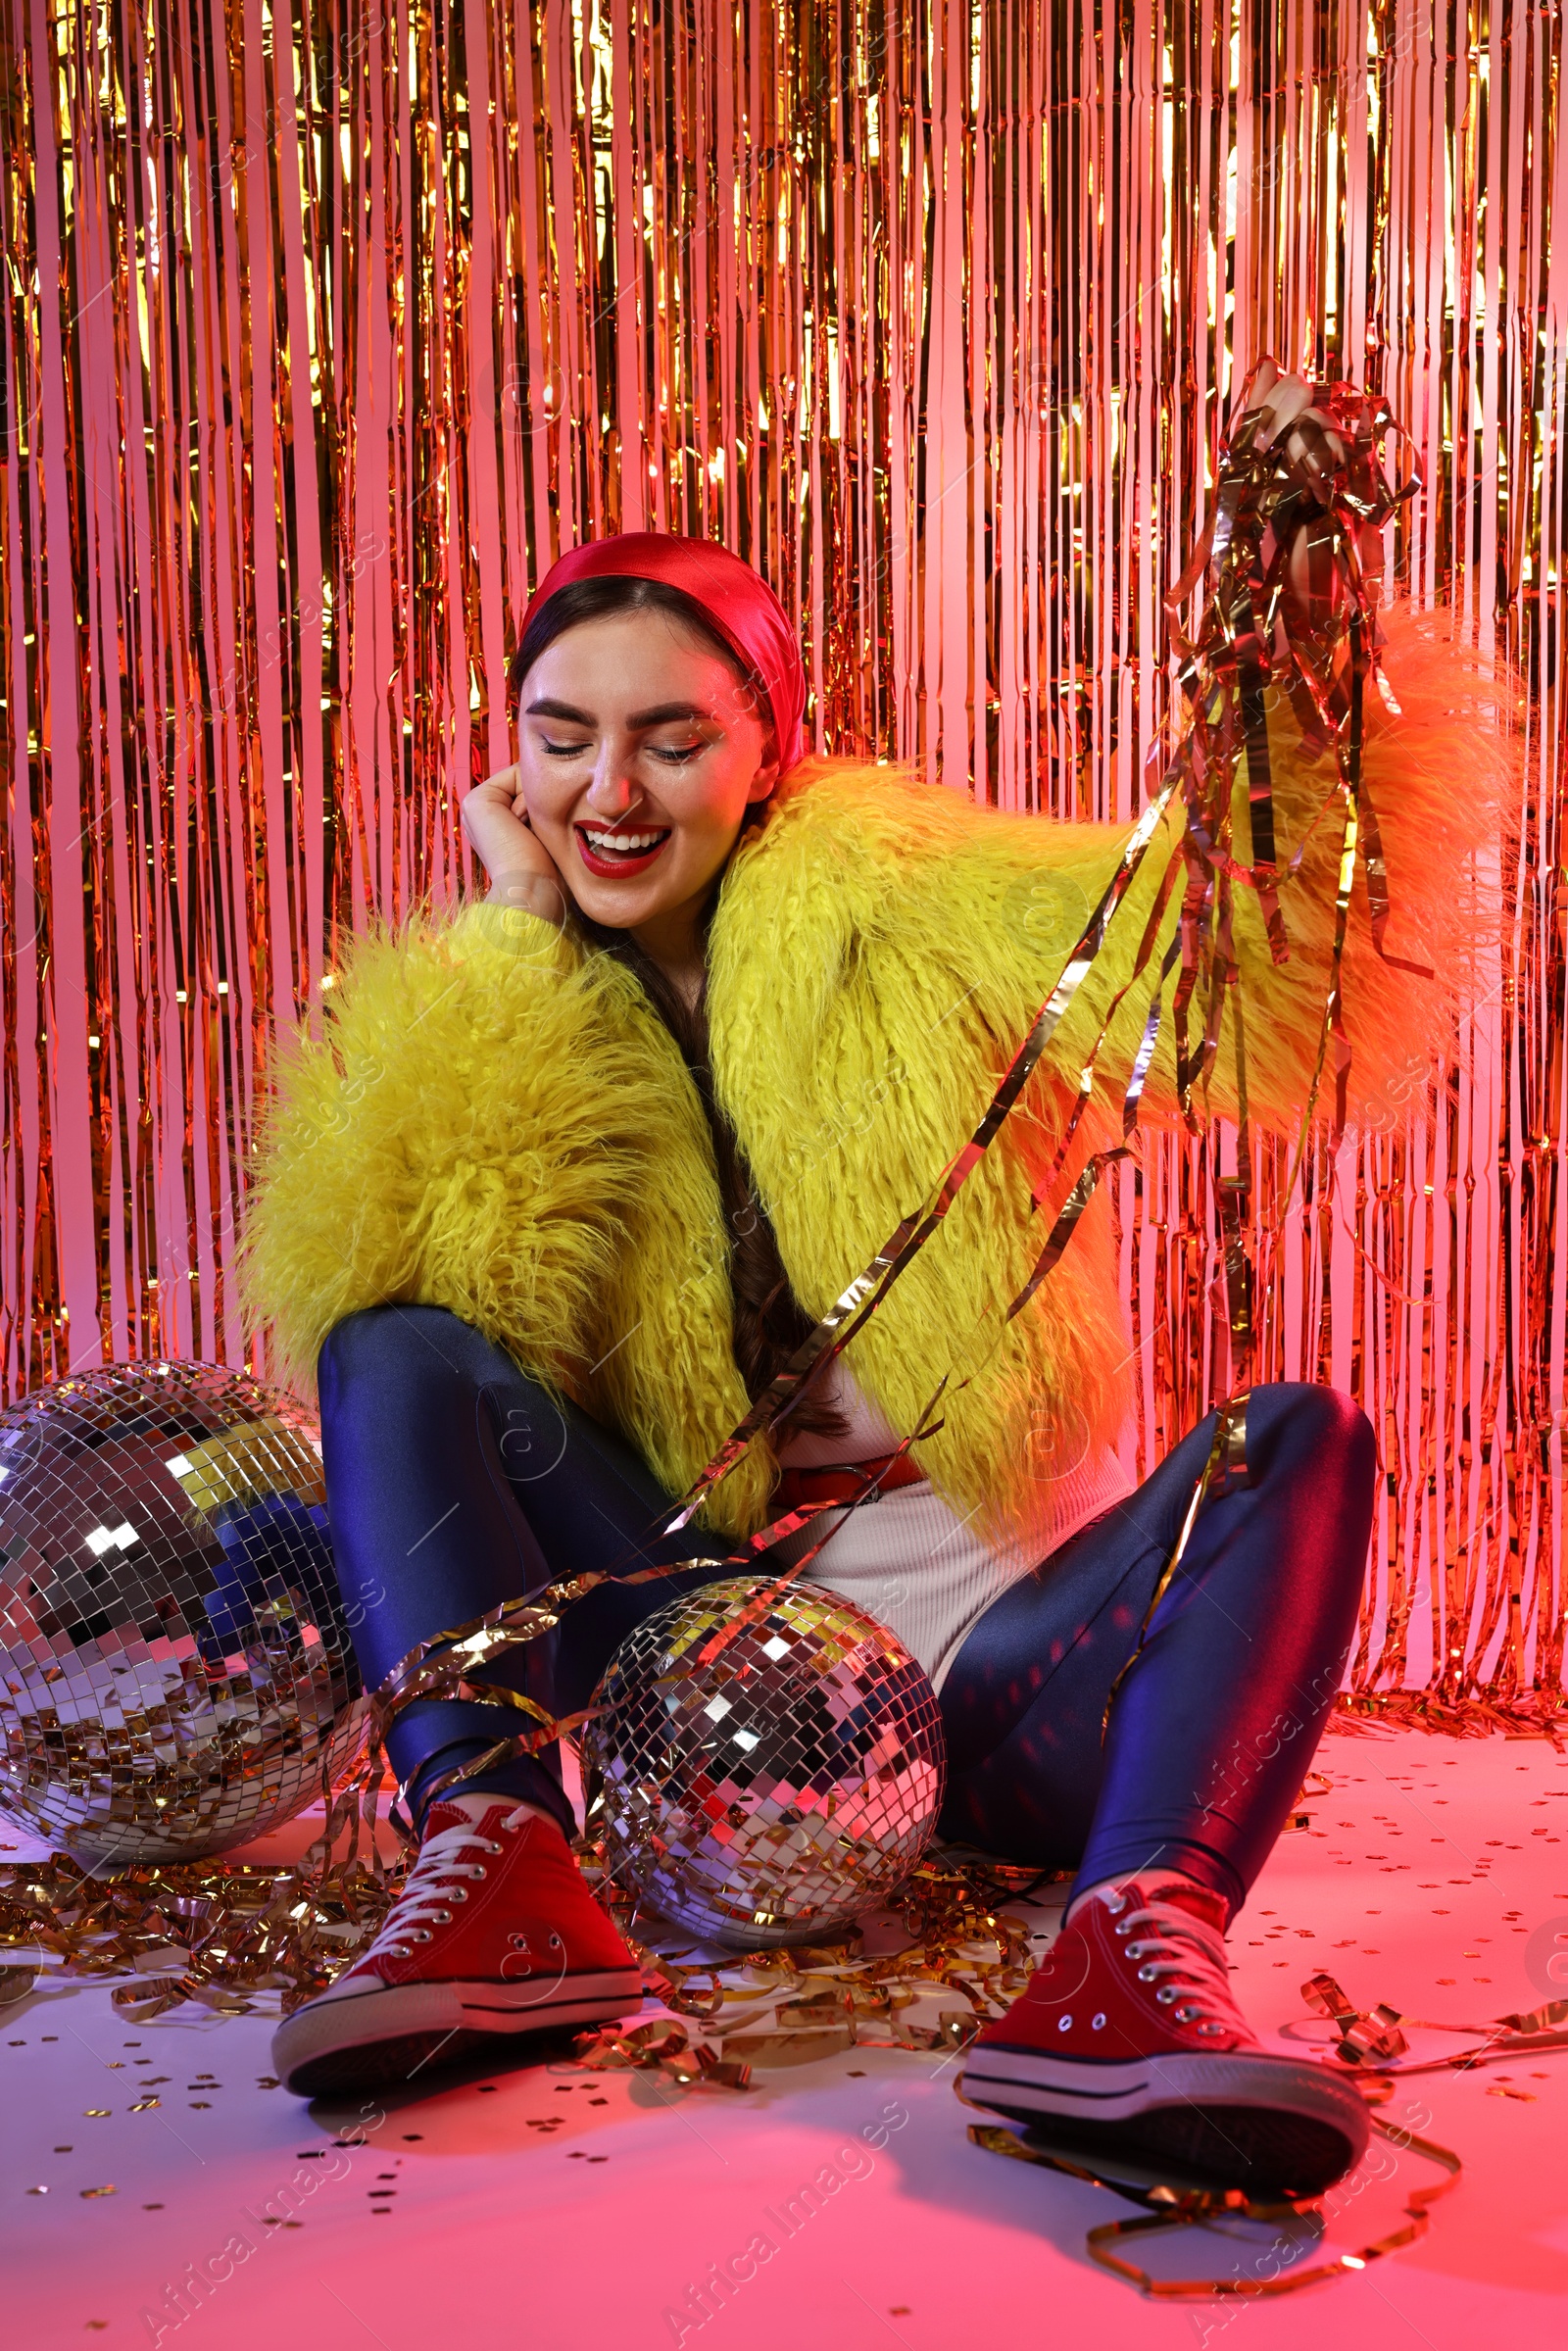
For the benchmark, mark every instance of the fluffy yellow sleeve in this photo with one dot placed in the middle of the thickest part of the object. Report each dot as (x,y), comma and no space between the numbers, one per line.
(462,1134)
(1442,780)
(1441,790)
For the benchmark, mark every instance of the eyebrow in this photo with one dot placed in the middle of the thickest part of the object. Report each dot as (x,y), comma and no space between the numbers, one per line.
(660,716)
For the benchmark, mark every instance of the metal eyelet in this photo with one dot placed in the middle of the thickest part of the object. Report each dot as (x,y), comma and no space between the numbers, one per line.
(1165,1995)
(479,1870)
(456,1893)
(1211,2028)
(1065,2023)
(1098,2023)
(398,1951)
(1125,1928)
(1116,1904)
(1185,2016)
(1147,1974)
(518,1943)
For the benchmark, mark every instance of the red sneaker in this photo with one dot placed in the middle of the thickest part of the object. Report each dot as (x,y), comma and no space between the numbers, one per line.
(451,1969)
(1126,2041)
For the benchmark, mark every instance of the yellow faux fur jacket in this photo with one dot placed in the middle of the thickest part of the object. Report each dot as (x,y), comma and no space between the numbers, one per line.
(494,1120)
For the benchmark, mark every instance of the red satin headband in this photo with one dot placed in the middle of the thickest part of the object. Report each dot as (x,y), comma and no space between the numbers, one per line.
(737,604)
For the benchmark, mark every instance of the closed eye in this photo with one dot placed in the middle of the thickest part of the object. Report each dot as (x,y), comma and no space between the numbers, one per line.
(676,754)
(564,750)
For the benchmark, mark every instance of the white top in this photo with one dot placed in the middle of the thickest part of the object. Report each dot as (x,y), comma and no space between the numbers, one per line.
(911,1561)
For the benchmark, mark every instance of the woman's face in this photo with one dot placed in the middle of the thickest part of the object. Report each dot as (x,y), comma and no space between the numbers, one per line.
(639,751)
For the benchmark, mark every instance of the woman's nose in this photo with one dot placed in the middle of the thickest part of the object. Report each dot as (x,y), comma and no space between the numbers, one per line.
(612,790)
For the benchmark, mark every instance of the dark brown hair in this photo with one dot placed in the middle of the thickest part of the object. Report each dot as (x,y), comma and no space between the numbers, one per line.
(596,598)
(769,1321)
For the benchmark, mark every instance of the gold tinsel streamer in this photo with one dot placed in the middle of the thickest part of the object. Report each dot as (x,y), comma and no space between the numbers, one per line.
(1175,2208)
(320,334)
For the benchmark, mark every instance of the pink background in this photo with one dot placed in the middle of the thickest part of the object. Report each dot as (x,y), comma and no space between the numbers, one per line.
(316,345)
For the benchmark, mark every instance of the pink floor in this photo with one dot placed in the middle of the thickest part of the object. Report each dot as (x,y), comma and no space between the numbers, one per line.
(1431,1877)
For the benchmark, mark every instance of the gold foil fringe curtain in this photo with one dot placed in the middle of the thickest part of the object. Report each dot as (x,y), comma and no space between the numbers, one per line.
(322,331)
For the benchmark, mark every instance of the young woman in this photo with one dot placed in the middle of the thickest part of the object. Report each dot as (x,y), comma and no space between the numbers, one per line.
(574,1171)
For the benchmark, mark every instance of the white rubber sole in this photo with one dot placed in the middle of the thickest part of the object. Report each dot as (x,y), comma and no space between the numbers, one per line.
(316,2048)
(1112,2092)
(1247,2118)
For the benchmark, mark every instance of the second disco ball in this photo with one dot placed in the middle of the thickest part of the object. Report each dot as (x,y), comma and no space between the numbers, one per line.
(174,1666)
(772,1794)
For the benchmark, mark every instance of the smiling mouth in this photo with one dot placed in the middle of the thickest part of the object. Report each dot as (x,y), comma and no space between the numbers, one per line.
(618,853)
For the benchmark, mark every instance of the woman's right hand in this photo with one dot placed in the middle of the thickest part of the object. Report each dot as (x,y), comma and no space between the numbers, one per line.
(522,872)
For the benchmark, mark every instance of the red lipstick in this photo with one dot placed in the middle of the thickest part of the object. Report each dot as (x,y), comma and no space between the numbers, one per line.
(616,866)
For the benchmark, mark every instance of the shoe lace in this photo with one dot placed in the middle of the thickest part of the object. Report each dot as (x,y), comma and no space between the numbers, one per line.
(1165,1942)
(428,1891)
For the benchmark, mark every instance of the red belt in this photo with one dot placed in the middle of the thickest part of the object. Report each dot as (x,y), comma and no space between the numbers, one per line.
(841,1480)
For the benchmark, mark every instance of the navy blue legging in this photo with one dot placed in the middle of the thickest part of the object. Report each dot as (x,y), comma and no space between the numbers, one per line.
(453,1481)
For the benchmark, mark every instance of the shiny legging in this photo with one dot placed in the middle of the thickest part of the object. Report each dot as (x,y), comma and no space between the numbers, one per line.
(454,1482)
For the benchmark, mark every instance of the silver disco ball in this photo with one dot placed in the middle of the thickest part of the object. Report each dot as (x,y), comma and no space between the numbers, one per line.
(772,1794)
(174,1667)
